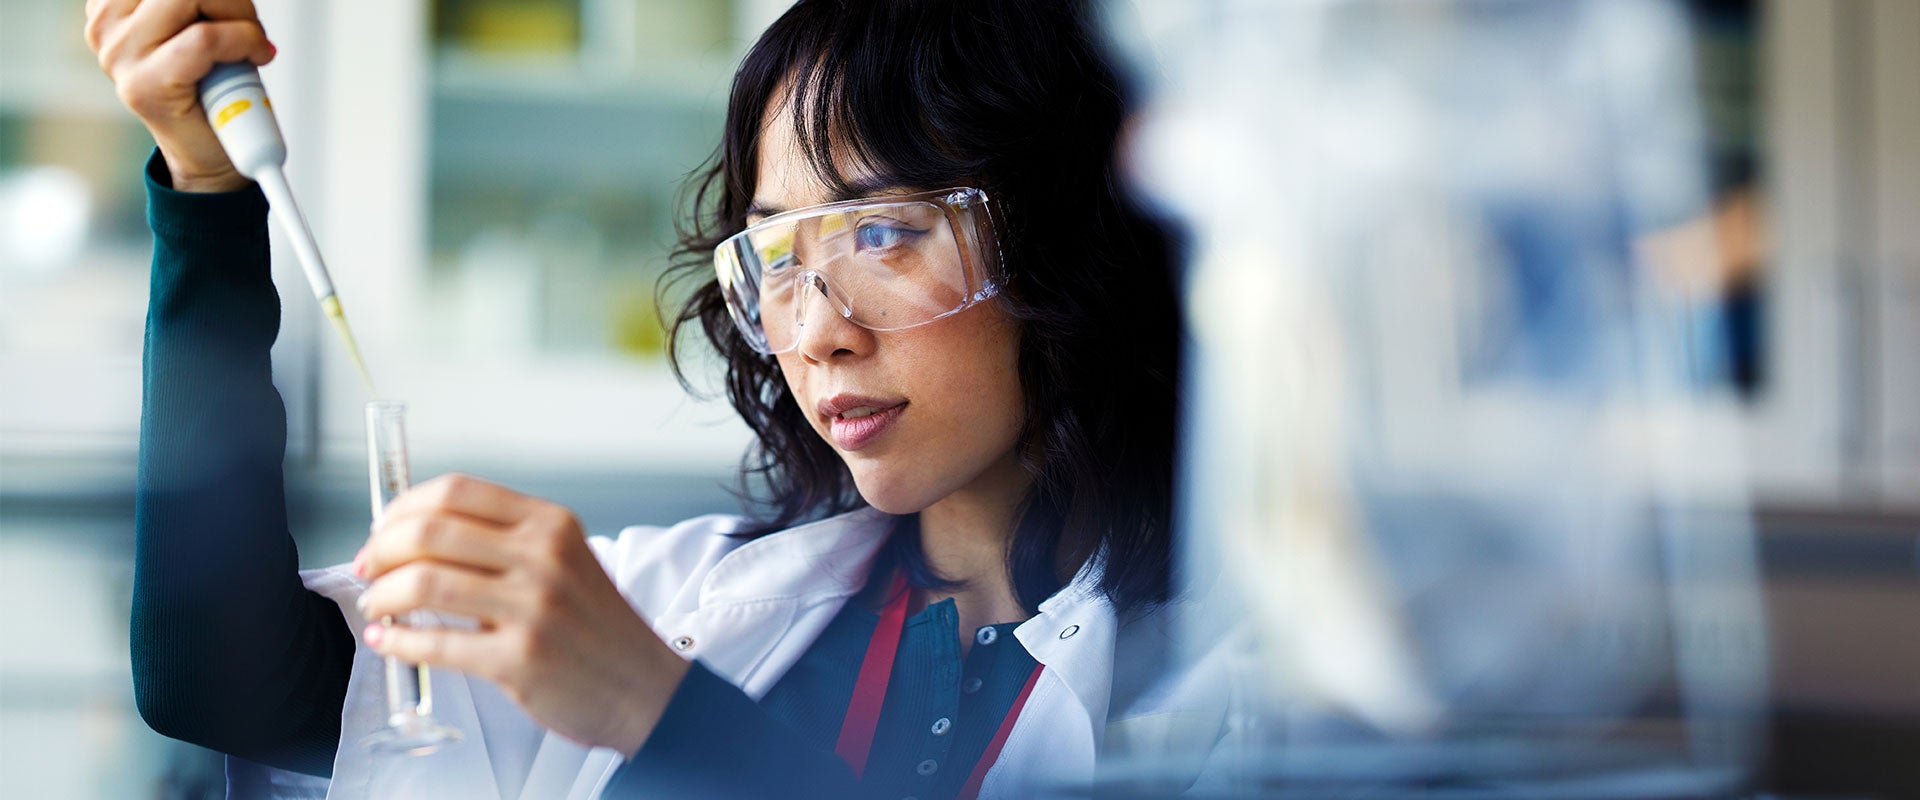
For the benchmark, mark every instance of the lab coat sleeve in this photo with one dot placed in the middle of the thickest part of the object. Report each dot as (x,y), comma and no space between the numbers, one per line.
(713,741)
(229,650)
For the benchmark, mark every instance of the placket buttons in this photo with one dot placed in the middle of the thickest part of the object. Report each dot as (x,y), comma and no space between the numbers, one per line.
(941,726)
(987,635)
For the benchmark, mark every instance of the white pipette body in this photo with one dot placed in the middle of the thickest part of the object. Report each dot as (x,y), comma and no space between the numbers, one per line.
(237,108)
(236,104)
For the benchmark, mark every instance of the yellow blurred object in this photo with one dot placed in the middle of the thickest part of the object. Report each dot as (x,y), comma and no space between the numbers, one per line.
(509,26)
(637,327)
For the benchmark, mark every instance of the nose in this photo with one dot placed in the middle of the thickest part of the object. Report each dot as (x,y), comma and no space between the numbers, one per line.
(823,321)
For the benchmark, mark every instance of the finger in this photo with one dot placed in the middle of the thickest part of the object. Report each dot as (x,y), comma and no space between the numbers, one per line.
(438,536)
(110,7)
(473,652)
(104,16)
(156,85)
(182,61)
(549,536)
(154,23)
(465,494)
(425,585)
(161,19)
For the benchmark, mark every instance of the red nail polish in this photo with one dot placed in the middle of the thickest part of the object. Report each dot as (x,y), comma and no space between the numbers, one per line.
(373,634)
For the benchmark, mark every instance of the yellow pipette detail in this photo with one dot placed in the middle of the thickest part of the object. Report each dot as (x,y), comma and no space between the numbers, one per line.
(236,104)
(331,305)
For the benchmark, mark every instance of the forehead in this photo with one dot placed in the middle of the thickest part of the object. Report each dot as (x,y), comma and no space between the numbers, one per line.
(786,178)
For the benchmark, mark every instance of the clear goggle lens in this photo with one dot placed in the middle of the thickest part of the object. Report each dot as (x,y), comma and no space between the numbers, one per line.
(882,264)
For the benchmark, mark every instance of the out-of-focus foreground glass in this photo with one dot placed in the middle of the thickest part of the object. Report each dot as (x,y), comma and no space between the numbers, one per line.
(1460,510)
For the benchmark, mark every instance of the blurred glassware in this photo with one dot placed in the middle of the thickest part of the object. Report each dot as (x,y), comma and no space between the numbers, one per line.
(1446,451)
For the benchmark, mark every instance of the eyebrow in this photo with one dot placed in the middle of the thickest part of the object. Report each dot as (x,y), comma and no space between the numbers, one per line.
(854,190)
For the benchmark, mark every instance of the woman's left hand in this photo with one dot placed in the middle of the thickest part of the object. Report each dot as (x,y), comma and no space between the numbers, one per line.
(553,633)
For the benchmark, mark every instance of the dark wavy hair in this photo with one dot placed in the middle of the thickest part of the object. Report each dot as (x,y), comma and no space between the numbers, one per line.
(1016,98)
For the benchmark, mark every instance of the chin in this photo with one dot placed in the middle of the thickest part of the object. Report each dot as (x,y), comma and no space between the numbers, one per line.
(894,493)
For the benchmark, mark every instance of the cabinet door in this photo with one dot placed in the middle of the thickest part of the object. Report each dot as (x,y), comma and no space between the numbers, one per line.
(499,201)
(1802,429)
(1891,62)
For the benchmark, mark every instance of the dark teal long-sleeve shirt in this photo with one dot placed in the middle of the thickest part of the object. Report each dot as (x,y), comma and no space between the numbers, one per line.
(232,652)
(229,650)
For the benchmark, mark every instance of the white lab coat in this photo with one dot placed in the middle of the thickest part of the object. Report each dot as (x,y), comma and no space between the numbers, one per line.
(749,608)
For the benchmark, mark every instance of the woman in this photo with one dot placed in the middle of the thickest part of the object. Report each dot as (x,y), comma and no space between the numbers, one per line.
(953,337)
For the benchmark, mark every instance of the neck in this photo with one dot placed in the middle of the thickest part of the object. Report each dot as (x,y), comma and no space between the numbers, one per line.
(965,537)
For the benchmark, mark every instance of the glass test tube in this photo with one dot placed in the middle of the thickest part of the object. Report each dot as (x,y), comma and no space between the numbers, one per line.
(411,728)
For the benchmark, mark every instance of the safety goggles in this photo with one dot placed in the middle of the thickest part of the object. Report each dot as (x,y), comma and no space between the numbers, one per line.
(883,263)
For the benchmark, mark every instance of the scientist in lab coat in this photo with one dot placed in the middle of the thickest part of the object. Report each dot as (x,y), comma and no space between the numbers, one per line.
(956,341)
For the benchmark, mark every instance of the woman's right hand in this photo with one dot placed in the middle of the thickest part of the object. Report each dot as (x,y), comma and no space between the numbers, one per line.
(156,52)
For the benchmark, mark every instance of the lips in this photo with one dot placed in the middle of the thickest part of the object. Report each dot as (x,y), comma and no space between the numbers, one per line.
(855,421)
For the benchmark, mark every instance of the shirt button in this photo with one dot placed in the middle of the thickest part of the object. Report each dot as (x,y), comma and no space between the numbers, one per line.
(1070,631)
(927,767)
(972,685)
(986,635)
(683,643)
(941,725)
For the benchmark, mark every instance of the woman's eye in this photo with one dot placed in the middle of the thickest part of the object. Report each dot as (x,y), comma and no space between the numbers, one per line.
(880,236)
(780,263)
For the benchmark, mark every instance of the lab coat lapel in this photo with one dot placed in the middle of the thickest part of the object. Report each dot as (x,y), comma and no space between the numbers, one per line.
(1073,635)
(818,560)
(763,604)
(1056,738)
(564,768)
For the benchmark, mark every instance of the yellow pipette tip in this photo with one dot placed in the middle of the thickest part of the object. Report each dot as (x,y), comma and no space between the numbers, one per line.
(331,306)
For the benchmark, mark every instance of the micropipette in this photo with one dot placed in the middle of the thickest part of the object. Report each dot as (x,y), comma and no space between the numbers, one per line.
(236,104)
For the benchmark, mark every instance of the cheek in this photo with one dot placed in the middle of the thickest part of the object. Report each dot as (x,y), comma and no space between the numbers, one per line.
(962,376)
(972,370)
(793,370)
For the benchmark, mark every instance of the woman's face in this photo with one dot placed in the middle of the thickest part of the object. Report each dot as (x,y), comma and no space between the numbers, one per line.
(946,394)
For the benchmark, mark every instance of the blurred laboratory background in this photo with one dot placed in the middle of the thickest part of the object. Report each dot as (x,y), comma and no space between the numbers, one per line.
(1551,361)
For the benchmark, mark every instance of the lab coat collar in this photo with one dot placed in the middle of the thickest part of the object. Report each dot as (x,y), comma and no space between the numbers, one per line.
(1073,635)
(823,559)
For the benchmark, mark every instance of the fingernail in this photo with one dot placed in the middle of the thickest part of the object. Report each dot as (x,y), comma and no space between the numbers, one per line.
(360,563)
(373,634)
